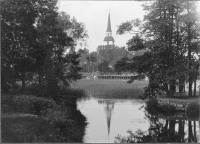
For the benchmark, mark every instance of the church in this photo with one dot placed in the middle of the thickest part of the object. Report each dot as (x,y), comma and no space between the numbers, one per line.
(108,39)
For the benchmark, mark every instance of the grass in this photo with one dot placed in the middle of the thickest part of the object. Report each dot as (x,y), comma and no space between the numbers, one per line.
(27,118)
(154,108)
(111,88)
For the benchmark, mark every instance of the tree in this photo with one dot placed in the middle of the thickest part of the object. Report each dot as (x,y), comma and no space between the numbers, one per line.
(18,38)
(104,67)
(168,50)
(56,66)
(34,40)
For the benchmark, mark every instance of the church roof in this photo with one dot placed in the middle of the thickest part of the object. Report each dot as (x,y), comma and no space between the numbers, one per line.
(109,38)
(109,24)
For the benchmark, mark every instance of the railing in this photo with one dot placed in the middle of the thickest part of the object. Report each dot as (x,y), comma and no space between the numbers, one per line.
(114,77)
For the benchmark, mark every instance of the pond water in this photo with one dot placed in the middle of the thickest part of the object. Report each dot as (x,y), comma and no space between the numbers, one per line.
(108,118)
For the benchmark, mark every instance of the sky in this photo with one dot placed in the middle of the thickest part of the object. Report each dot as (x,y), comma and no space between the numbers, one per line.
(94,14)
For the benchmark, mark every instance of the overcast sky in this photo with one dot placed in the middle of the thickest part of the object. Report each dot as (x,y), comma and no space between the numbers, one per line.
(94,14)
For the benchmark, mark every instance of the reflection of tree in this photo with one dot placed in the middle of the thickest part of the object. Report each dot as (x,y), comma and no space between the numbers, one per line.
(191,135)
(195,137)
(162,131)
(180,137)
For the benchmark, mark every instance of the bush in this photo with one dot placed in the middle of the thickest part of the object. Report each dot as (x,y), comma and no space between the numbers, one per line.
(20,129)
(26,104)
(167,109)
(154,108)
(193,110)
(56,126)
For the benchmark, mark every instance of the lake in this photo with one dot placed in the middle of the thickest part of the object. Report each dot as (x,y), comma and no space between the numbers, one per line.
(108,118)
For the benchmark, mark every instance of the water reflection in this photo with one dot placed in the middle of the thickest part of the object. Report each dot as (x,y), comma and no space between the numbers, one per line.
(109,107)
(108,118)
(171,128)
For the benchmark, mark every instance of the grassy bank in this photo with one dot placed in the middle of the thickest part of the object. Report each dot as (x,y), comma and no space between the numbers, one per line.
(154,108)
(27,118)
(111,88)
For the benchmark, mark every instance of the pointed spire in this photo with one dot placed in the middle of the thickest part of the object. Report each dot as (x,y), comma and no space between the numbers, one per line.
(109,24)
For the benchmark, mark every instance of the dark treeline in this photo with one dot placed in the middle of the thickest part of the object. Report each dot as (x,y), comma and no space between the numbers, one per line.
(38,63)
(103,59)
(35,37)
(169,34)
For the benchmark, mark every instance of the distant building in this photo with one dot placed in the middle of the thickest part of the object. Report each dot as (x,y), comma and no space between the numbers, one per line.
(109,39)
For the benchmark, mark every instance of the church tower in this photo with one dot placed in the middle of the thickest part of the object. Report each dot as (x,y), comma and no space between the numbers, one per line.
(109,37)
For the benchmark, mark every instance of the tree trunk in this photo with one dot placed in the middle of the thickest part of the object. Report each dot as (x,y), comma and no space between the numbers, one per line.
(195,83)
(23,81)
(181,83)
(40,83)
(172,88)
(189,52)
(190,86)
(167,90)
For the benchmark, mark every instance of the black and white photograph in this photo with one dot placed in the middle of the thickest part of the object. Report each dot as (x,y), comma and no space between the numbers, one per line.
(101,71)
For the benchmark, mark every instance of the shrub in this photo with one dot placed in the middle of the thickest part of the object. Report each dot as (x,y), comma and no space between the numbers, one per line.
(55,126)
(152,106)
(69,125)
(26,104)
(20,129)
(193,110)
(167,109)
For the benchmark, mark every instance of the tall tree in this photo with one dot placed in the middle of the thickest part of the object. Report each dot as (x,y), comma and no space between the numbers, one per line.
(34,40)
(169,52)
(18,38)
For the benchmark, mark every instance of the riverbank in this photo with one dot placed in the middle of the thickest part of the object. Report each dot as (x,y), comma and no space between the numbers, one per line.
(28,118)
(187,99)
(119,89)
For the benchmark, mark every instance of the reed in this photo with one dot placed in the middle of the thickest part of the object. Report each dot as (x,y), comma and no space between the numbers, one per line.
(111,88)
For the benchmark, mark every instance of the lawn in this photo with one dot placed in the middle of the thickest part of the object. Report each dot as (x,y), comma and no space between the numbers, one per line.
(111,88)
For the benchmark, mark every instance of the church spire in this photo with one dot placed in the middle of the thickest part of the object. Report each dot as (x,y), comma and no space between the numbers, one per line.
(109,24)
(109,37)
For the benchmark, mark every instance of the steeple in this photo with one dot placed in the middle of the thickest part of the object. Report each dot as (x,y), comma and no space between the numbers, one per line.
(109,24)
(109,37)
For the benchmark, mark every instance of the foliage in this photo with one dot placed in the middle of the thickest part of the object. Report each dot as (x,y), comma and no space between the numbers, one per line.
(93,61)
(56,126)
(112,55)
(193,110)
(27,104)
(35,119)
(135,44)
(34,44)
(169,38)
(154,108)
(18,36)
